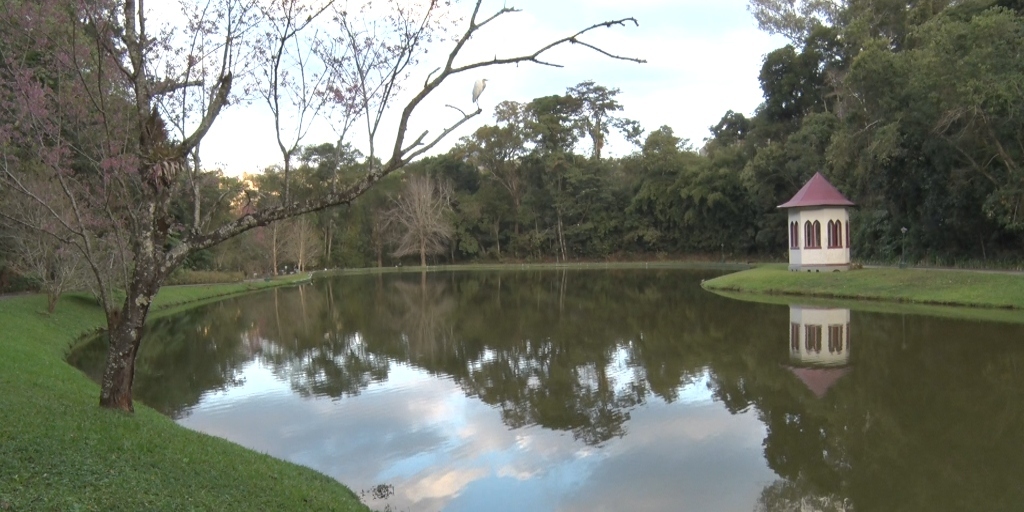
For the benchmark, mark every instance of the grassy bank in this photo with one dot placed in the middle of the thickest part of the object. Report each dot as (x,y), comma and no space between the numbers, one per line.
(962,288)
(59,451)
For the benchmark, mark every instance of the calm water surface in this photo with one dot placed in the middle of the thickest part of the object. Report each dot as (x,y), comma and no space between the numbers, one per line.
(598,390)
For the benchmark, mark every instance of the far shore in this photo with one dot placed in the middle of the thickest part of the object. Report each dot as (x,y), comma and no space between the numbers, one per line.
(983,291)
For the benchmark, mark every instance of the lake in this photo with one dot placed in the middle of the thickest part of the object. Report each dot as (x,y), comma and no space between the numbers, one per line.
(583,390)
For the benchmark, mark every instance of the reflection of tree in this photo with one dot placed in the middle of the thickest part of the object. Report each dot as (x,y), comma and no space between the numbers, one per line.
(421,311)
(340,366)
(307,347)
(543,387)
(786,496)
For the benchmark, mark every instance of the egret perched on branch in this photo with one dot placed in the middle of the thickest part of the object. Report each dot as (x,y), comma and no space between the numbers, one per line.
(478,88)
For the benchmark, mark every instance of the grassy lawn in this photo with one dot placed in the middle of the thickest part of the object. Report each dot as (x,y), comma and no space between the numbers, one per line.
(60,451)
(915,286)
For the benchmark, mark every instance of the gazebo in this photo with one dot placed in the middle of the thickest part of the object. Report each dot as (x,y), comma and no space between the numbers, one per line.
(818,207)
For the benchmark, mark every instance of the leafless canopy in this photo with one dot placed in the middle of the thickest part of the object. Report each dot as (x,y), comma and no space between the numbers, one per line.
(421,216)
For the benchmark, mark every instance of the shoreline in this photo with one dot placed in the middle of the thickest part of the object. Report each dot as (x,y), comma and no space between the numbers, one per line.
(975,290)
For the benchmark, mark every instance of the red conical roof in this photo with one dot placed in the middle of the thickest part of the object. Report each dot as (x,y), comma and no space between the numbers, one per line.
(817,192)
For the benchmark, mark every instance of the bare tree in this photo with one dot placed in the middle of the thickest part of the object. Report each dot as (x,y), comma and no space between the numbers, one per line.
(290,81)
(56,266)
(380,233)
(84,91)
(302,241)
(421,216)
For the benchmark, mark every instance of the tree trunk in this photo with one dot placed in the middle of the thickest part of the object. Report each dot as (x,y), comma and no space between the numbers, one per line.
(423,253)
(561,236)
(327,246)
(497,237)
(516,206)
(125,331)
(273,247)
(301,230)
(52,296)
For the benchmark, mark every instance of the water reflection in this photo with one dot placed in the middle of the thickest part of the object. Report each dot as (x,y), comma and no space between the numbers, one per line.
(819,364)
(621,390)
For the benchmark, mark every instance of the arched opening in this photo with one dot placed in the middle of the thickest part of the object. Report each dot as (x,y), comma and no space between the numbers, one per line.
(835,234)
(812,235)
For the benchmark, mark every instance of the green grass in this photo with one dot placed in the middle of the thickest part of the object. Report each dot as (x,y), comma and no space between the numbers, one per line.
(962,288)
(204,277)
(60,451)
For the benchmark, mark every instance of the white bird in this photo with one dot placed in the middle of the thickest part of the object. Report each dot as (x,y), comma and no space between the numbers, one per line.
(478,88)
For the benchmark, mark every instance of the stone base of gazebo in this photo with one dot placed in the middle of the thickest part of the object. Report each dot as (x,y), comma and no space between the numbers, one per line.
(839,267)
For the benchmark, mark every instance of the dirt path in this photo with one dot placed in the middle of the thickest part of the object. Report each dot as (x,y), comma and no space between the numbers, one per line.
(4,296)
(953,269)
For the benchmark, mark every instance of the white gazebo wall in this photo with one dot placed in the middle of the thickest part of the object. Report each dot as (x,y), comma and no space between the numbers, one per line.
(823,258)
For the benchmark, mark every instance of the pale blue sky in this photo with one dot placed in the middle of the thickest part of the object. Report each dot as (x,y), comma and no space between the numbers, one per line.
(703,59)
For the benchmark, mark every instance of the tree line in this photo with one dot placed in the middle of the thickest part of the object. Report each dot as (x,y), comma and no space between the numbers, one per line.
(912,110)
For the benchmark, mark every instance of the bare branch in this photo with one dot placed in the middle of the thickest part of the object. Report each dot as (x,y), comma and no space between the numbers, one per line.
(169,86)
(457,108)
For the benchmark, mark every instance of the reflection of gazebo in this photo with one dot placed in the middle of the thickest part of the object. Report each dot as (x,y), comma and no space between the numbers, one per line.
(819,346)
(819,380)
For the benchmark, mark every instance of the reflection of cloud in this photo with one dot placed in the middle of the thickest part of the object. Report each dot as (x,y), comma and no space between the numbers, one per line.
(444,451)
(702,459)
(444,485)
(511,472)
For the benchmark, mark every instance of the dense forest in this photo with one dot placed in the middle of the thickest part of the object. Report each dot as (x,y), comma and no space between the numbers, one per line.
(912,109)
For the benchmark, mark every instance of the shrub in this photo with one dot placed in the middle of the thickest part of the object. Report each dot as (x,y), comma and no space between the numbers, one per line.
(204,277)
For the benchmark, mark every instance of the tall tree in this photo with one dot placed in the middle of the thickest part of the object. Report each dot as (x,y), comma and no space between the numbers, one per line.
(498,152)
(596,105)
(795,19)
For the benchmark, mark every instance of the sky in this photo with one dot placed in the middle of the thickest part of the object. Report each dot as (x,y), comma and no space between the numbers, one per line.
(703,58)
